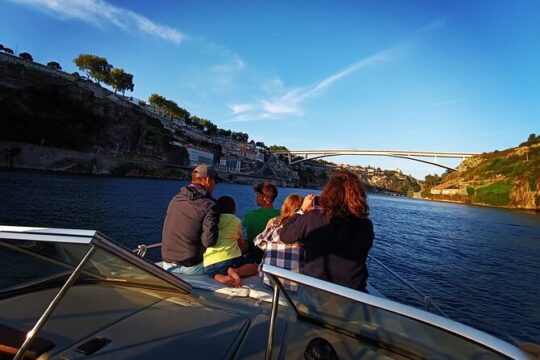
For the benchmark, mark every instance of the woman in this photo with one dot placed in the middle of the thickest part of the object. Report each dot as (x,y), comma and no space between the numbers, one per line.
(337,237)
(287,256)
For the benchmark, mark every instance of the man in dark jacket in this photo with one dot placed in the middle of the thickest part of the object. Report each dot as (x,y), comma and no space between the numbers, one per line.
(191,224)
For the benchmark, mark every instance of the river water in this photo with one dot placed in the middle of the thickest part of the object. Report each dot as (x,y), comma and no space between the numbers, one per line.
(480,265)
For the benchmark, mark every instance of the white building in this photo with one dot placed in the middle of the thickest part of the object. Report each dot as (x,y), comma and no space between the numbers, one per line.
(230,164)
(198,157)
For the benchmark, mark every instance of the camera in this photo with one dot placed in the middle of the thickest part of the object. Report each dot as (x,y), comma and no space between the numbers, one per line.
(316,201)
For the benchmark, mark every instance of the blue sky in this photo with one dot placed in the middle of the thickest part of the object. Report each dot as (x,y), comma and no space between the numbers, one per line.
(400,75)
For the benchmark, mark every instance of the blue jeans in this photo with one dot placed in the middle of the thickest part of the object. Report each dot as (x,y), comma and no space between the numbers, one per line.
(222,266)
(184,270)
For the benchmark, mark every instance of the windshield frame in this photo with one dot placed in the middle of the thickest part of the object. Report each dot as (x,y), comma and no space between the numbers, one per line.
(90,238)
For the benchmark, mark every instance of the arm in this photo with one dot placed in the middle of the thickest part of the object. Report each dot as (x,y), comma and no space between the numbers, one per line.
(243,245)
(294,230)
(210,223)
(268,235)
(272,221)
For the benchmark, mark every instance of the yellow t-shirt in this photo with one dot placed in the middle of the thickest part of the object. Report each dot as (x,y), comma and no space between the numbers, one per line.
(230,230)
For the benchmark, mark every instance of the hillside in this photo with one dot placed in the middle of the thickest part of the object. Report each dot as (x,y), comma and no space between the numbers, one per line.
(64,112)
(508,178)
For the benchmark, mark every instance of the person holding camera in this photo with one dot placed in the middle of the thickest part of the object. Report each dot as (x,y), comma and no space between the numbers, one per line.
(336,238)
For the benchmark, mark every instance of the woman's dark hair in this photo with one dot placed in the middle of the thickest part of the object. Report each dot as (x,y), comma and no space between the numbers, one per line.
(343,195)
(226,205)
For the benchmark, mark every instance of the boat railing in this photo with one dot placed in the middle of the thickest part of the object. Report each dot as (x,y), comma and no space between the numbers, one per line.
(428,334)
(142,249)
(426,299)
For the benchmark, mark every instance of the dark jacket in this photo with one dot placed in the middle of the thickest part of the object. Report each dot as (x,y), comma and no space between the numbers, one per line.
(336,249)
(191,225)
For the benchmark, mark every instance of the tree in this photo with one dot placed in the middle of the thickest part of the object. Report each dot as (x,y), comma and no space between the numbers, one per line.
(120,80)
(277,147)
(168,107)
(94,66)
(260,144)
(54,65)
(8,51)
(157,101)
(1,47)
(26,56)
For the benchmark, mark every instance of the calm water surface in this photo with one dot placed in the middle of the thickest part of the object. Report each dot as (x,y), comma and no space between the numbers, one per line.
(480,265)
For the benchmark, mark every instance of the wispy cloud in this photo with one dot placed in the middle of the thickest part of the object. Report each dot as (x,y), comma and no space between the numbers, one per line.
(291,102)
(100,13)
(235,65)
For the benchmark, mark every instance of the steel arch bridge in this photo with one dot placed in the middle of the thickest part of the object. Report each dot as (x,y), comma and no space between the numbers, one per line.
(403,154)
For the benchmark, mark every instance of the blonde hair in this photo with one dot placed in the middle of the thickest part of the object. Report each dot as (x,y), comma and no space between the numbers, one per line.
(289,207)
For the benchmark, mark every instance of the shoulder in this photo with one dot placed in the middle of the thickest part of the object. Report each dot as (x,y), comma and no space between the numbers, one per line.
(249,215)
(236,220)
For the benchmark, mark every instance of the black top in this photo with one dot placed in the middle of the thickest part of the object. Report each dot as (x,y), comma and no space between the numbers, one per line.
(191,225)
(336,248)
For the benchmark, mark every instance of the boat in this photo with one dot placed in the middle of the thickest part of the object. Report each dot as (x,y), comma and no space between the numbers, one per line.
(77,294)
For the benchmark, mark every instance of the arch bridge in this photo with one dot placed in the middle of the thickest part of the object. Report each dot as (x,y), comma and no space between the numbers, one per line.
(403,154)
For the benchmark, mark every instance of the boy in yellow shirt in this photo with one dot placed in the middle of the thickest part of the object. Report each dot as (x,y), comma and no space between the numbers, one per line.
(224,261)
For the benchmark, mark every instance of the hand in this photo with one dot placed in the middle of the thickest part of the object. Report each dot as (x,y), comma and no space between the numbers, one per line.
(307,205)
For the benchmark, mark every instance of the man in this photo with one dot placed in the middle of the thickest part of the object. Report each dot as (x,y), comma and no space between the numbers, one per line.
(191,224)
(255,220)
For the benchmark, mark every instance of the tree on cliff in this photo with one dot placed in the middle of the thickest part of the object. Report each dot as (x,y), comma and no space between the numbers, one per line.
(240,136)
(26,56)
(94,66)
(277,147)
(120,80)
(8,51)
(54,65)
(204,125)
(168,107)
(531,140)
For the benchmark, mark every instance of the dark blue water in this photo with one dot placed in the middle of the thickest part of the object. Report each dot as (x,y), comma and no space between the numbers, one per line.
(480,265)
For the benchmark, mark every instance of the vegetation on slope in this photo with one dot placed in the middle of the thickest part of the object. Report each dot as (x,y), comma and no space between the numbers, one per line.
(509,178)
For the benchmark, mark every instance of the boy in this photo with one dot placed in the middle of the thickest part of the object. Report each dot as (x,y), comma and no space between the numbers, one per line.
(224,261)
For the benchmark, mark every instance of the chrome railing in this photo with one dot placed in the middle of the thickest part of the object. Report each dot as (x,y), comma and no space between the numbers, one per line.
(426,319)
(142,249)
(426,299)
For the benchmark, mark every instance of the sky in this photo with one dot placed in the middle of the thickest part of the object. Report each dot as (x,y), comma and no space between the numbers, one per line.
(460,76)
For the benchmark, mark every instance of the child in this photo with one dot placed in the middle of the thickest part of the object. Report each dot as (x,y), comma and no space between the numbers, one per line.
(287,256)
(224,261)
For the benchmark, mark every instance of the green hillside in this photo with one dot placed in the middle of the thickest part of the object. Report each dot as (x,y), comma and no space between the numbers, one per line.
(508,178)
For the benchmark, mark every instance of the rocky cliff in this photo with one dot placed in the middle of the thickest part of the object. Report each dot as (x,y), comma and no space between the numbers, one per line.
(508,178)
(66,112)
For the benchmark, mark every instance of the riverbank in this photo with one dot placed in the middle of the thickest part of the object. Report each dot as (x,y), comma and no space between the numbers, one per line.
(29,157)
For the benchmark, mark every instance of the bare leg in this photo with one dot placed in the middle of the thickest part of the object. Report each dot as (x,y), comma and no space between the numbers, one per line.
(233,274)
(224,279)
(247,270)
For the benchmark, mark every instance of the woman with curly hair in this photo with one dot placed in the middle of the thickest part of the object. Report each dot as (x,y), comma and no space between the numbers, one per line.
(336,236)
